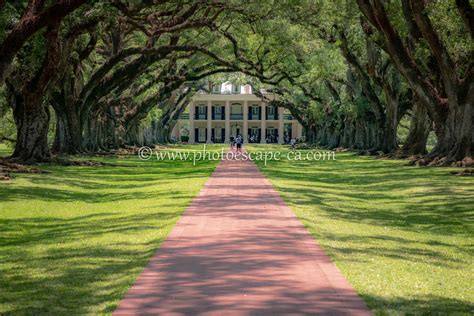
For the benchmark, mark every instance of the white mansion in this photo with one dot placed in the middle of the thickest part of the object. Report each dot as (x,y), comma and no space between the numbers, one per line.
(231,110)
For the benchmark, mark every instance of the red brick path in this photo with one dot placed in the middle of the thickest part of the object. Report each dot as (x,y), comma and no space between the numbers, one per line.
(239,250)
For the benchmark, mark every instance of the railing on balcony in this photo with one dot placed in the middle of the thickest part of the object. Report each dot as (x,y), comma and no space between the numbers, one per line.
(239,116)
(218,116)
(200,116)
(254,117)
(272,116)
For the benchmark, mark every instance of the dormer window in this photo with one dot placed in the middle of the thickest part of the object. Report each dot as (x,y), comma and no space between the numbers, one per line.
(216,88)
(247,89)
(235,89)
(226,87)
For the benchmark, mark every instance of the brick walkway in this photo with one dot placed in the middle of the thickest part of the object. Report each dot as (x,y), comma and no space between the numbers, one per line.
(239,250)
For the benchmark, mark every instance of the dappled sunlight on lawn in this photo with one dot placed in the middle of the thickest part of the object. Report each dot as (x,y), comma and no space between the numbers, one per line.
(74,240)
(401,235)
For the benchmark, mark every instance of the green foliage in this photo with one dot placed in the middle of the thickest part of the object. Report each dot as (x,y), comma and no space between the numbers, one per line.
(293,46)
(7,128)
(453,32)
(403,129)
(7,123)
(153,116)
(9,15)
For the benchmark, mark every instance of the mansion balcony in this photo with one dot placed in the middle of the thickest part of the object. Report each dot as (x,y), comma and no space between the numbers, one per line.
(220,116)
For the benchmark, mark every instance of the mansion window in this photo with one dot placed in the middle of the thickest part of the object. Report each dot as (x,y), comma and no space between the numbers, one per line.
(272,113)
(235,89)
(255,110)
(271,110)
(218,112)
(201,112)
(202,109)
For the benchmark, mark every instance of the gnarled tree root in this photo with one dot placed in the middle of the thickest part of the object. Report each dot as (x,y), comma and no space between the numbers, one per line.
(440,162)
(464,173)
(7,168)
(87,163)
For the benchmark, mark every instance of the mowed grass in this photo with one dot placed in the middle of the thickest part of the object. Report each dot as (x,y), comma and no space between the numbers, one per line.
(72,241)
(403,236)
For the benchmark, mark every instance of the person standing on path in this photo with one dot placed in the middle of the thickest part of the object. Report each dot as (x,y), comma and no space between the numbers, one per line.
(232,142)
(238,142)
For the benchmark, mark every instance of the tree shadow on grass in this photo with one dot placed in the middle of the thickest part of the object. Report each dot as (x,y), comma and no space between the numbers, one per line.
(96,277)
(380,193)
(444,215)
(418,305)
(94,184)
(83,262)
(380,247)
(25,193)
(428,211)
(53,230)
(72,276)
(378,204)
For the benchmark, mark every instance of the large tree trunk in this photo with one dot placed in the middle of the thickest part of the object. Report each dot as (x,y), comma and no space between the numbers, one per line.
(455,135)
(310,132)
(420,127)
(388,127)
(448,100)
(68,137)
(464,144)
(348,134)
(162,133)
(92,135)
(111,131)
(30,111)
(150,134)
(32,122)
(135,136)
(360,139)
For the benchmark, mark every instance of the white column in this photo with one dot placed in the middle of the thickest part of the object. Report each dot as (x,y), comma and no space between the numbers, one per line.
(209,121)
(191,123)
(263,124)
(280,125)
(227,121)
(245,126)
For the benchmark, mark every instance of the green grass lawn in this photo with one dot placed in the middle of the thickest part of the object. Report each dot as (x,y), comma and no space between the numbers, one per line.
(72,241)
(403,236)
